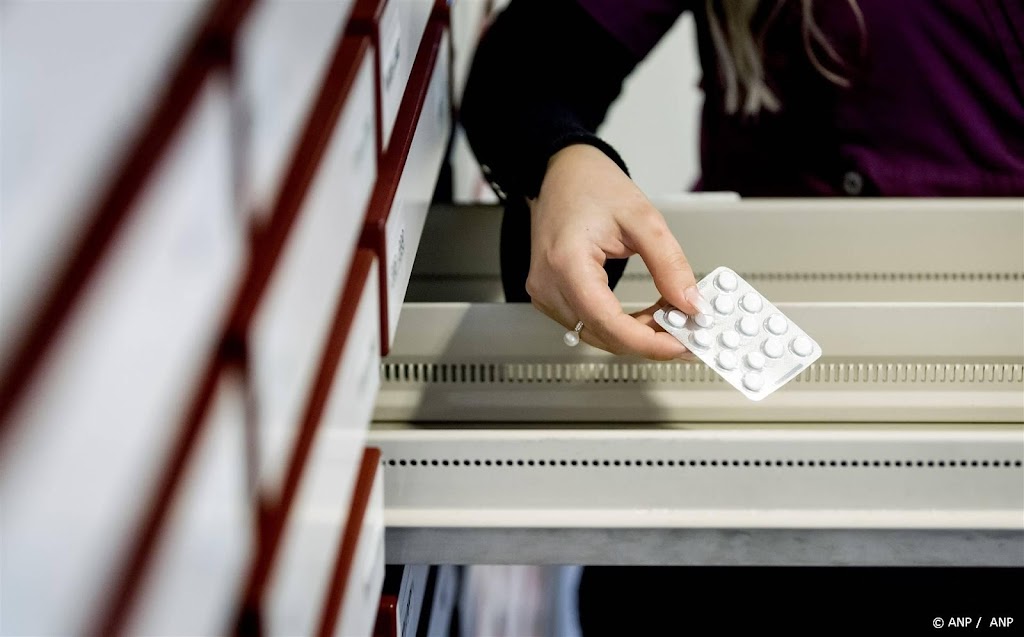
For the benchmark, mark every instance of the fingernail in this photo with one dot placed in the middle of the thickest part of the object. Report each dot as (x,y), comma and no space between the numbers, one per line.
(687,356)
(692,294)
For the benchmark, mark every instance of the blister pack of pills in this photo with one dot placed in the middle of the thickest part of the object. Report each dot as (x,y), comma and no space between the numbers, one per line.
(746,339)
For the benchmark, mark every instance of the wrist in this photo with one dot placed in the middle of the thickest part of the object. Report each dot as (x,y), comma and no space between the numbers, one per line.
(581,142)
(575,159)
(583,145)
(575,152)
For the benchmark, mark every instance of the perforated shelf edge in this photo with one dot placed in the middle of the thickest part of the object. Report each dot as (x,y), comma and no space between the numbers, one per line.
(818,373)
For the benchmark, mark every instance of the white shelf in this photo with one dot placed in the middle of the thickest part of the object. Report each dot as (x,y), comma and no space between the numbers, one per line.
(714,495)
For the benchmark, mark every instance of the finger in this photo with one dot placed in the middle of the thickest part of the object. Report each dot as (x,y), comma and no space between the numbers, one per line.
(601,313)
(650,237)
(646,317)
(560,311)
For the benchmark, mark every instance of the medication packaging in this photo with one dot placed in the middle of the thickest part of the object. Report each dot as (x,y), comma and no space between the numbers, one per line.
(746,339)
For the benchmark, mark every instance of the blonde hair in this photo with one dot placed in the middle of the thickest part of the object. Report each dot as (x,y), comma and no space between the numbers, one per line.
(740,51)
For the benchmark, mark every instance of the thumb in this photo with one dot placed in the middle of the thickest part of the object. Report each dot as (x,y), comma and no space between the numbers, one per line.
(664,257)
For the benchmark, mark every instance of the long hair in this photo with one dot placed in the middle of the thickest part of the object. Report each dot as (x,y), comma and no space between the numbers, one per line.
(740,50)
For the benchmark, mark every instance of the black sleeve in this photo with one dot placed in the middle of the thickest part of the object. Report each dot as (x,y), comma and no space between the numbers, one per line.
(543,77)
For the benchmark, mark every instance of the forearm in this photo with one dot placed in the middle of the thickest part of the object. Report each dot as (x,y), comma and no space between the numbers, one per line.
(542,79)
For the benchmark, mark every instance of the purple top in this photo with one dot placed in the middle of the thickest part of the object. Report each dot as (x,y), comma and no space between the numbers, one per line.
(936,105)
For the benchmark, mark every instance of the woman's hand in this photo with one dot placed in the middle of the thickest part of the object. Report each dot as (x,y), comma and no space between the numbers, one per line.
(588,211)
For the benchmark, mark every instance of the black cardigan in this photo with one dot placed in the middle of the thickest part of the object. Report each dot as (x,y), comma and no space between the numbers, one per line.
(543,78)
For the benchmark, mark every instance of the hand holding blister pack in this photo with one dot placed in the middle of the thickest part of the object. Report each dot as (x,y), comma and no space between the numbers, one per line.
(746,339)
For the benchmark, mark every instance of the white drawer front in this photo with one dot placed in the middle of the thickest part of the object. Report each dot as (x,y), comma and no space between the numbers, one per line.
(362,591)
(285,48)
(195,577)
(400,30)
(79,81)
(395,65)
(290,328)
(320,511)
(349,407)
(94,429)
(412,200)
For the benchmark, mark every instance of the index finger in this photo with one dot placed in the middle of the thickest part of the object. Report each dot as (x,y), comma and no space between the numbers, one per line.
(650,236)
(601,313)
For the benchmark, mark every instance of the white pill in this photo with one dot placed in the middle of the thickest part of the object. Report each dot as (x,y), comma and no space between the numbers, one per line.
(701,338)
(749,325)
(724,304)
(777,324)
(755,360)
(726,281)
(730,339)
(704,320)
(753,381)
(727,359)
(751,302)
(773,348)
(675,318)
(801,346)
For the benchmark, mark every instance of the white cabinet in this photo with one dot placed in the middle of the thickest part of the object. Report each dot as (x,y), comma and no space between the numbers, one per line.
(397,27)
(402,199)
(285,48)
(291,325)
(80,80)
(86,443)
(195,577)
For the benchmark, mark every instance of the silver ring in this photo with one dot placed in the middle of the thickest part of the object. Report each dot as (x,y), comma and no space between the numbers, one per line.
(572,337)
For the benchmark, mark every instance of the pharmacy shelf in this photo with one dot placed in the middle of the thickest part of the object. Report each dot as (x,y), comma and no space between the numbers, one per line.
(754,494)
